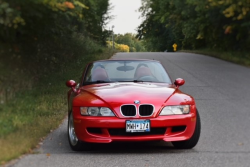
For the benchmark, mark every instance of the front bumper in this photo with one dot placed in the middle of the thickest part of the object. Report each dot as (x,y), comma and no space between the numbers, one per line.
(109,129)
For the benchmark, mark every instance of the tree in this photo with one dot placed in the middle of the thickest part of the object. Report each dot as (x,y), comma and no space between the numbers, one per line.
(51,31)
(219,24)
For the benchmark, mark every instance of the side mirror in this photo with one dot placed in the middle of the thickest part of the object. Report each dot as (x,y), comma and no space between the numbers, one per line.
(179,82)
(72,84)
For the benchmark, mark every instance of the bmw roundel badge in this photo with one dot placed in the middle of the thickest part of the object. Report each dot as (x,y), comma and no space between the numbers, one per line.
(137,102)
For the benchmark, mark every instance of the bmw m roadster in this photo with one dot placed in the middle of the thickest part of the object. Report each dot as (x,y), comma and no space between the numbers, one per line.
(130,100)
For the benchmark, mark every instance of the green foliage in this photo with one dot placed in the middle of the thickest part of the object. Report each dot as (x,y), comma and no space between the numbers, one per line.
(130,40)
(43,43)
(50,31)
(9,16)
(217,24)
(33,20)
(29,19)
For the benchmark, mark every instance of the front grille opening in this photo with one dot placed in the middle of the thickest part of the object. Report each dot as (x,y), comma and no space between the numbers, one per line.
(128,110)
(94,130)
(122,132)
(178,128)
(146,110)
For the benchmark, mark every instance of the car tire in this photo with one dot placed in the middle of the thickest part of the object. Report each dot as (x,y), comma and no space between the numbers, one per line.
(74,142)
(188,144)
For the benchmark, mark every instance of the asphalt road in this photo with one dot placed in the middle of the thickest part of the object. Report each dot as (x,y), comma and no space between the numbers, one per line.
(221,90)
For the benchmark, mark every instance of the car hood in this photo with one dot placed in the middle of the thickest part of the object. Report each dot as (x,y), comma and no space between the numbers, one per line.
(114,95)
(127,93)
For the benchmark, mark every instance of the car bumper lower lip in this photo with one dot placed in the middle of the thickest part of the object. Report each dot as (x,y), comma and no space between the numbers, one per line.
(105,124)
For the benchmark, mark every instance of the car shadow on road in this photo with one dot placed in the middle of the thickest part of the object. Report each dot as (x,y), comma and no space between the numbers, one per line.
(136,148)
(133,147)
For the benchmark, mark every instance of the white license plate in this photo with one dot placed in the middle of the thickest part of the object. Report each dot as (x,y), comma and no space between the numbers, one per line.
(137,126)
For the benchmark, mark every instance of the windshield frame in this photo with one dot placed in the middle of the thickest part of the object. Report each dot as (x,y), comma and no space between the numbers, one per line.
(90,65)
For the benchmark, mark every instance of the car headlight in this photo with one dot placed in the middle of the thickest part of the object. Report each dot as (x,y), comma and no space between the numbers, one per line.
(175,110)
(96,111)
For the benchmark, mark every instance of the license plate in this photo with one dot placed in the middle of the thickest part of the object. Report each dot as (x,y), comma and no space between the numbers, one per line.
(137,126)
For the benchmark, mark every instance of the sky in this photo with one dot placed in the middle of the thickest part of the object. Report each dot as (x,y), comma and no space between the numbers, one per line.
(126,16)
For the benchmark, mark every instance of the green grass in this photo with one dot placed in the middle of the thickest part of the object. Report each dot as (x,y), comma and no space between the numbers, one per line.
(242,58)
(32,109)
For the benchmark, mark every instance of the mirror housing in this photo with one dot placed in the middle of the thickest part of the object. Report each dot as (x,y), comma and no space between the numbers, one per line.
(72,84)
(179,82)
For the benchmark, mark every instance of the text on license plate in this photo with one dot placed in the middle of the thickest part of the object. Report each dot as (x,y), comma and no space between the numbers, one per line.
(137,126)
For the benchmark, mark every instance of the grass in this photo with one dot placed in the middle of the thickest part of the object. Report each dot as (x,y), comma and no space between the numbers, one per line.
(29,112)
(242,58)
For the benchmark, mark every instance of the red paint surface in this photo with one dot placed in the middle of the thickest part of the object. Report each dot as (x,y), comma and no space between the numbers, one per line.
(113,95)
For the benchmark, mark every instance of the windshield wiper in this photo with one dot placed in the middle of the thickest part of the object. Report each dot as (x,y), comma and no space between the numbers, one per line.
(138,80)
(135,81)
(98,81)
(101,81)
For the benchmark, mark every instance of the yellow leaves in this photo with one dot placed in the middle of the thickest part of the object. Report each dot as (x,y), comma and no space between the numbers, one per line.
(18,20)
(229,12)
(212,3)
(80,16)
(122,47)
(240,17)
(236,10)
(81,4)
(109,44)
(55,6)
(221,2)
(245,10)
(200,36)
(59,6)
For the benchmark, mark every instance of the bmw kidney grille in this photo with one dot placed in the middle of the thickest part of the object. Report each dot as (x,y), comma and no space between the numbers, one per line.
(146,110)
(130,110)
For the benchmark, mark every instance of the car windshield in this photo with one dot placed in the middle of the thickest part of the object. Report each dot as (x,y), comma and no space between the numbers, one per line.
(126,71)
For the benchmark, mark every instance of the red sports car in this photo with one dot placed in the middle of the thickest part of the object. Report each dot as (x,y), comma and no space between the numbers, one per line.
(130,100)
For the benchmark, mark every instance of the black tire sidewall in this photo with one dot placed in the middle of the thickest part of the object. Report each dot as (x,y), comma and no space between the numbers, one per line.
(188,144)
